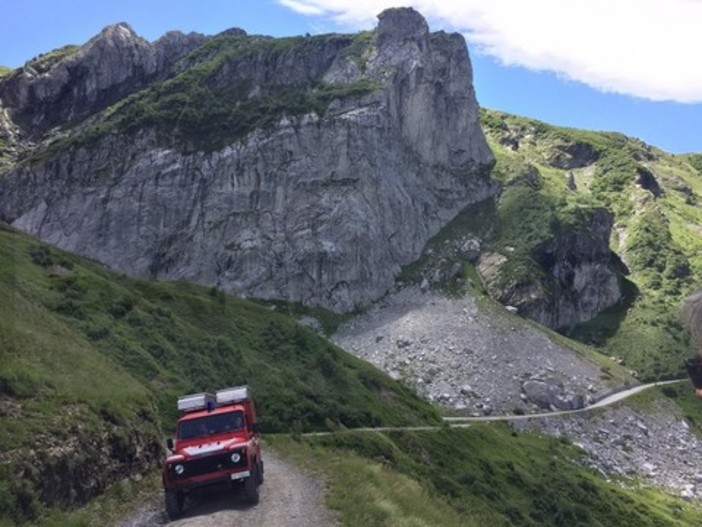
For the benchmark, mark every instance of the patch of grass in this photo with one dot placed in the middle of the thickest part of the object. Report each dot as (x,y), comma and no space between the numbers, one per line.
(695,161)
(329,321)
(119,501)
(683,395)
(360,48)
(365,493)
(44,62)
(474,221)
(486,475)
(660,264)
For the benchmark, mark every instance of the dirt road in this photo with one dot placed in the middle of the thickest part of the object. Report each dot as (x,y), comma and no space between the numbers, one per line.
(289,497)
(607,401)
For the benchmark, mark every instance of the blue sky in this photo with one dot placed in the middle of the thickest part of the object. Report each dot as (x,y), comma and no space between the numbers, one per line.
(584,65)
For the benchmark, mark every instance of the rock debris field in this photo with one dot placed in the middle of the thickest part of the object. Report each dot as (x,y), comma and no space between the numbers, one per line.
(488,362)
(477,362)
(654,445)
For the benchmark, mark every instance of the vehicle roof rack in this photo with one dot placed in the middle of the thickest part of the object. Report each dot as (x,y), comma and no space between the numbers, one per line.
(235,394)
(196,401)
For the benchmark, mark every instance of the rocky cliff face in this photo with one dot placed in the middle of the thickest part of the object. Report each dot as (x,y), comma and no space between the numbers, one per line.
(579,275)
(69,84)
(321,205)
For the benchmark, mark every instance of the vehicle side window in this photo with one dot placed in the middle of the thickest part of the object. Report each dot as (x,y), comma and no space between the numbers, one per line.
(238,422)
(187,430)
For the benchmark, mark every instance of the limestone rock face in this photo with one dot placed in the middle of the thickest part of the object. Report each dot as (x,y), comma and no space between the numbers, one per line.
(321,208)
(580,276)
(113,64)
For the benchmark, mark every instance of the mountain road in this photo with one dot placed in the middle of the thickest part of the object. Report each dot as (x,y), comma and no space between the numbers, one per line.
(294,497)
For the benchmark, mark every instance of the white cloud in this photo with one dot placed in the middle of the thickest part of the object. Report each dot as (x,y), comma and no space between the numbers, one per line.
(645,48)
(306,8)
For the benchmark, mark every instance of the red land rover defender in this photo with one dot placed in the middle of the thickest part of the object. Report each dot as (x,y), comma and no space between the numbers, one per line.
(216,442)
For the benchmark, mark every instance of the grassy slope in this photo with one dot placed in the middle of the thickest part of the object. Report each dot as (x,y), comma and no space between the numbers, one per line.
(174,337)
(118,345)
(80,344)
(656,237)
(482,476)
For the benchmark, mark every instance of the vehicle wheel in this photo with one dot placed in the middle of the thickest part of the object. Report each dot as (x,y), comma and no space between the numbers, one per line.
(174,504)
(251,487)
(260,472)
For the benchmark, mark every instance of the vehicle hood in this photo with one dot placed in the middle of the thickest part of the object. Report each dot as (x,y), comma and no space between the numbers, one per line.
(193,449)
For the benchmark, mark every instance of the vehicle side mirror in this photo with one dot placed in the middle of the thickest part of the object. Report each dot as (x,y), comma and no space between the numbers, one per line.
(169,444)
(256,428)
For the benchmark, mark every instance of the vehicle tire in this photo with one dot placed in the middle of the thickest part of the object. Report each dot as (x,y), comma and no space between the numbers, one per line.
(175,500)
(260,472)
(251,487)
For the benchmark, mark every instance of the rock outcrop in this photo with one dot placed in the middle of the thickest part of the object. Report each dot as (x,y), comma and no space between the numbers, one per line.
(67,86)
(68,467)
(579,275)
(322,207)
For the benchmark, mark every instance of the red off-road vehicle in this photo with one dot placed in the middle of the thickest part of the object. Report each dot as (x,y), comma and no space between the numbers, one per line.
(216,442)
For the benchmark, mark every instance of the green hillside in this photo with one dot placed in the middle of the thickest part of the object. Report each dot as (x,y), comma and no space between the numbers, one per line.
(486,475)
(553,177)
(91,361)
(89,357)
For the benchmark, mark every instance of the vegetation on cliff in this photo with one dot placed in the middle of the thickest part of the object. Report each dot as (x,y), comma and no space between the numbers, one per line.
(552,179)
(225,91)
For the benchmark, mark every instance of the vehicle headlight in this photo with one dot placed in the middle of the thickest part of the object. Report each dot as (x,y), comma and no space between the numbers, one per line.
(179,469)
(235,457)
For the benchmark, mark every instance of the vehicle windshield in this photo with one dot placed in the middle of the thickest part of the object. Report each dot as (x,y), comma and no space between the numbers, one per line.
(211,424)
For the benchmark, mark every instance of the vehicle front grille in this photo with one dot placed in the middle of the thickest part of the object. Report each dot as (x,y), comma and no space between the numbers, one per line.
(208,464)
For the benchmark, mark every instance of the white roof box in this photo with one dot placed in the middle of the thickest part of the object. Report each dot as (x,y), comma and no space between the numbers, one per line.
(196,401)
(236,394)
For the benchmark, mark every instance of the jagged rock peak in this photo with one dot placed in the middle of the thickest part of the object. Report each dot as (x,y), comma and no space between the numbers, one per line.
(119,30)
(120,35)
(401,23)
(110,66)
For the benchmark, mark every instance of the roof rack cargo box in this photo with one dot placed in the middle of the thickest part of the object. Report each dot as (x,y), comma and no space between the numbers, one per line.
(235,394)
(239,395)
(196,401)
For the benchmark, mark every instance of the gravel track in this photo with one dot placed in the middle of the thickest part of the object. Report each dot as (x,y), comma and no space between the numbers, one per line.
(290,497)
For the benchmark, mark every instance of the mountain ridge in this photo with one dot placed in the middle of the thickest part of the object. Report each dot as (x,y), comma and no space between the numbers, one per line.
(591,233)
(340,166)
